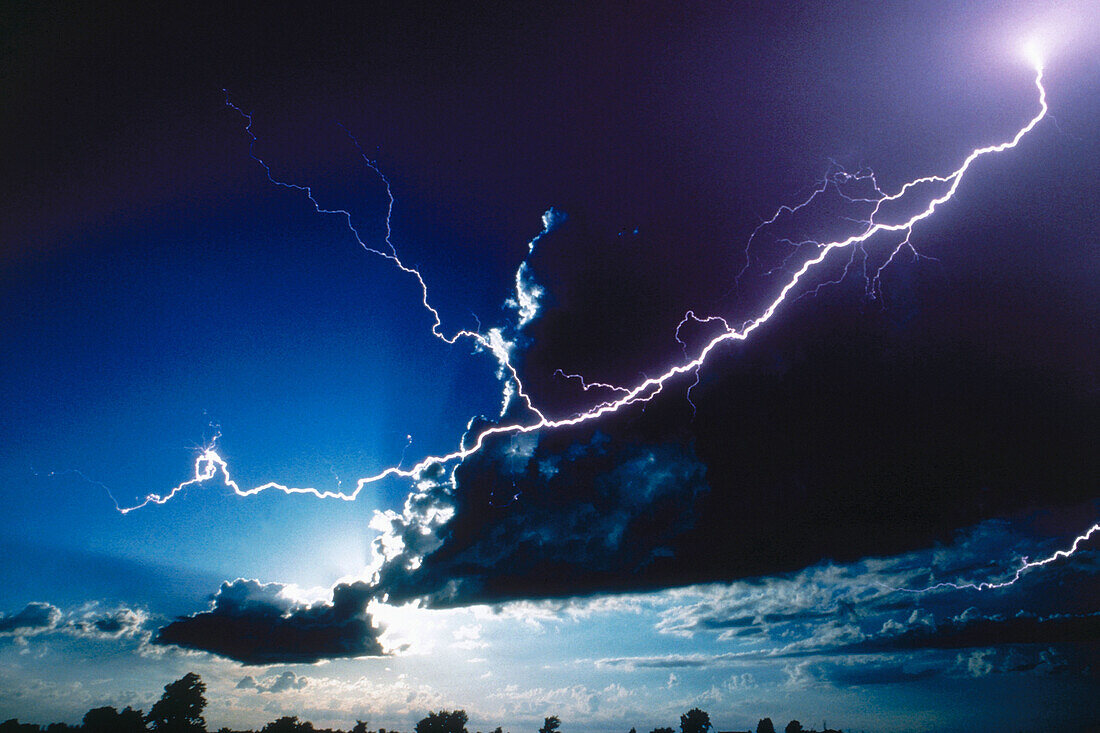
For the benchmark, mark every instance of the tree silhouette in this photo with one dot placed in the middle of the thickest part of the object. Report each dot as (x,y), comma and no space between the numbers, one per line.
(288,724)
(100,720)
(663,730)
(179,709)
(695,721)
(63,728)
(108,720)
(765,726)
(130,721)
(360,727)
(443,722)
(550,725)
(793,727)
(14,726)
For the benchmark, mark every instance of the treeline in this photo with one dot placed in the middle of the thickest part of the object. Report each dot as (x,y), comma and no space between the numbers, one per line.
(179,710)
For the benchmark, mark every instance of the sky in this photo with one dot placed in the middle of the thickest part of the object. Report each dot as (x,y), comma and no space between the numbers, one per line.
(586,196)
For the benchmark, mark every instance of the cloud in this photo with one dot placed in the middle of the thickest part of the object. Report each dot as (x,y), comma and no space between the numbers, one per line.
(90,622)
(675,661)
(743,681)
(976,664)
(532,523)
(969,630)
(851,673)
(528,291)
(758,481)
(606,517)
(36,617)
(406,538)
(255,623)
(112,623)
(279,683)
(577,702)
(901,651)
(374,696)
(469,637)
(910,667)
(248,682)
(783,503)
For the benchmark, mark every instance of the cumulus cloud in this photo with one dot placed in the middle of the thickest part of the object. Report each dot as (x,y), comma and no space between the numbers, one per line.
(571,701)
(468,637)
(91,621)
(976,663)
(406,538)
(256,623)
(279,683)
(111,623)
(36,617)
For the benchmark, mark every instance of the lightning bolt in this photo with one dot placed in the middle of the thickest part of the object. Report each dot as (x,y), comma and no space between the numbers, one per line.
(209,463)
(493,342)
(1025,565)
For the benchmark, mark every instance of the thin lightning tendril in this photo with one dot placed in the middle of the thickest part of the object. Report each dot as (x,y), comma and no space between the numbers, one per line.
(1025,565)
(209,463)
(495,346)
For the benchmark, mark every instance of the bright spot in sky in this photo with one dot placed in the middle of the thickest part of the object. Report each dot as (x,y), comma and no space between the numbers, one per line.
(1049,30)
(1033,52)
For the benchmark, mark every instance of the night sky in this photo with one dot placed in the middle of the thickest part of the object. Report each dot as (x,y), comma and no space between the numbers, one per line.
(748,541)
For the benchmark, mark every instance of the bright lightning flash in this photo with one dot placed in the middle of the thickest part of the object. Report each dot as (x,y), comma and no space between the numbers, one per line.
(1033,52)
(875,225)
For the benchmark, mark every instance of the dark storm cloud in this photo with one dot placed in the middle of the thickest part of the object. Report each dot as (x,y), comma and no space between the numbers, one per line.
(903,668)
(589,523)
(108,624)
(254,623)
(970,630)
(544,518)
(1047,661)
(985,642)
(862,593)
(34,618)
(863,674)
(875,441)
